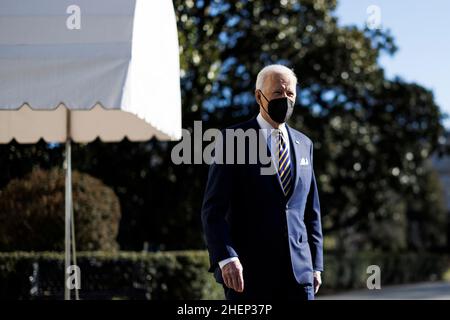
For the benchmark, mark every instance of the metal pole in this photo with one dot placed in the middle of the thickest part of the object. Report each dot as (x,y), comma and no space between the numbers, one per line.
(74,251)
(68,169)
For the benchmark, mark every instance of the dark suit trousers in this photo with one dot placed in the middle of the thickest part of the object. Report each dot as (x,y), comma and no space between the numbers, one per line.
(272,279)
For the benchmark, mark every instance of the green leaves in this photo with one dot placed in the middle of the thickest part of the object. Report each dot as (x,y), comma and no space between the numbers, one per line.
(372,135)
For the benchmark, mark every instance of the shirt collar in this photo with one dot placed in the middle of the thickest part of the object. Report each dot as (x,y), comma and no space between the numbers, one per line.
(267,126)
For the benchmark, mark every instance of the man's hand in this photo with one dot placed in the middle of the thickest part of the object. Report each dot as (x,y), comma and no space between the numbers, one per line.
(317,281)
(232,274)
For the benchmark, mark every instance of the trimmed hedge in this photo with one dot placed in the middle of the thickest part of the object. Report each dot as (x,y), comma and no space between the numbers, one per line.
(107,275)
(183,274)
(345,272)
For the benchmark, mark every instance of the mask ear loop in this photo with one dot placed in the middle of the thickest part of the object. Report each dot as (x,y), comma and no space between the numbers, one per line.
(261,101)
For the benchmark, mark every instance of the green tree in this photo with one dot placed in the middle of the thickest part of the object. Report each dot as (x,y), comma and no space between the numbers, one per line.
(371,134)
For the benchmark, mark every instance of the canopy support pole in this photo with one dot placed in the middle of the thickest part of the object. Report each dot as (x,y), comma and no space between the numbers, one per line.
(69,239)
(67,220)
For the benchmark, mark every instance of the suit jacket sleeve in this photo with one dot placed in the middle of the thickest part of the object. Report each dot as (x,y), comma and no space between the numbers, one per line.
(216,203)
(313,222)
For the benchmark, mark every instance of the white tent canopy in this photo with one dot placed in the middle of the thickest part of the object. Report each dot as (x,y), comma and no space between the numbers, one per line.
(110,56)
(75,70)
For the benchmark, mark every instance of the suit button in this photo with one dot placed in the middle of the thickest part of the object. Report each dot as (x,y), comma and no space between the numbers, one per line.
(287,207)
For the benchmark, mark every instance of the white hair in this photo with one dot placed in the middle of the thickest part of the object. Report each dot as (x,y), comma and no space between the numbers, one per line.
(278,68)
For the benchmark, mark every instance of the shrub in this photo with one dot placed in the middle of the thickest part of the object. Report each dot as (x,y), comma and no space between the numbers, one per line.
(345,271)
(32,213)
(176,275)
(107,275)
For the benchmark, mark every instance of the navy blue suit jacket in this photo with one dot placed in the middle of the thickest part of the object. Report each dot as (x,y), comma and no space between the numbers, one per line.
(246,214)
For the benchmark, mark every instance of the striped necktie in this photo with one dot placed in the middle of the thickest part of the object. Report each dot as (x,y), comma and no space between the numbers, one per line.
(284,165)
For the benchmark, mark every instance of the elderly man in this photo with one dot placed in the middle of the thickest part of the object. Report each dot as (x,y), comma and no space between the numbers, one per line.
(263,232)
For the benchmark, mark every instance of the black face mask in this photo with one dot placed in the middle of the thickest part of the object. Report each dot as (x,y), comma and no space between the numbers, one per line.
(279,110)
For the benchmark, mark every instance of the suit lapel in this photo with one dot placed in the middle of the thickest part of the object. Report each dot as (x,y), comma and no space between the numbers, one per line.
(273,178)
(295,155)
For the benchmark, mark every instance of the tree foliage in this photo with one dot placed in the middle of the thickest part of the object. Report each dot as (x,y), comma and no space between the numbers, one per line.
(371,134)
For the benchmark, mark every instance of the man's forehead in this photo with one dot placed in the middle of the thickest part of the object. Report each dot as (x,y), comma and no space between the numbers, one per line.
(279,79)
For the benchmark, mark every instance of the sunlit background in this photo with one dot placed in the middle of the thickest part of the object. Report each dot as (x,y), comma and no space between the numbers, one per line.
(421,32)
(381,157)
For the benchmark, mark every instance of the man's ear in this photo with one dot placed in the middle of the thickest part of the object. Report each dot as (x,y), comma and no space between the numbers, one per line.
(258,96)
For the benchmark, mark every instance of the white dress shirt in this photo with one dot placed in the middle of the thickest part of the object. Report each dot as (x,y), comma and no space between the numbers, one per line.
(270,135)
